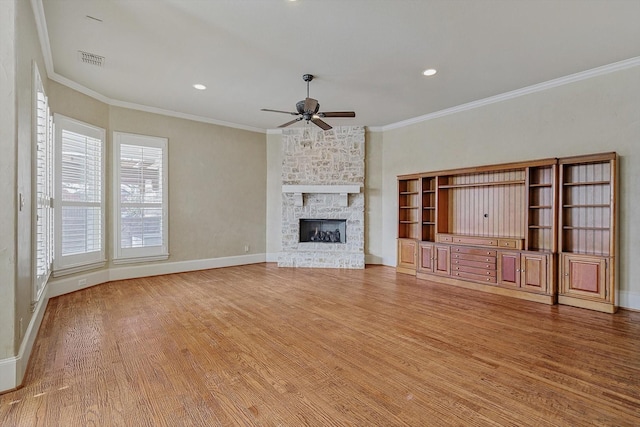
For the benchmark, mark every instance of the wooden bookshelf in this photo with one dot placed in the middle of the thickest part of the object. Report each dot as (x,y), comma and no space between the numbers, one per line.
(542,230)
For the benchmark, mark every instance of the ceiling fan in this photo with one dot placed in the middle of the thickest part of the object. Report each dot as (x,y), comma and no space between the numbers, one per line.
(307,109)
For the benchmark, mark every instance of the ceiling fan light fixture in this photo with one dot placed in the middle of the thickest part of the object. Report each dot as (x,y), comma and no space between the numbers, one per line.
(429,72)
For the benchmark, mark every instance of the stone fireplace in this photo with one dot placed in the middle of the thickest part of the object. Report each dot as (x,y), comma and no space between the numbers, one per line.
(323,177)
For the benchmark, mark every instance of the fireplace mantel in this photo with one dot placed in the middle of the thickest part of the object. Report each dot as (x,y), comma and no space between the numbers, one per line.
(343,190)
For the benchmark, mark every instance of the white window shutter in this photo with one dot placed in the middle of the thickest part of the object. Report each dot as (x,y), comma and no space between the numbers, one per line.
(141,204)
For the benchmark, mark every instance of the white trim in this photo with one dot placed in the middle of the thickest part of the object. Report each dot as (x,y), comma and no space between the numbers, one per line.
(12,369)
(629,299)
(572,78)
(147,253)
(137,260)
(38,11)
(66,285)
(43,34)
(62,264)
(79,268)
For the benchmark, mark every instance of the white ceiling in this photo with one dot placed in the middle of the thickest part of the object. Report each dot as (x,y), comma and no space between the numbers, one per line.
(367,55)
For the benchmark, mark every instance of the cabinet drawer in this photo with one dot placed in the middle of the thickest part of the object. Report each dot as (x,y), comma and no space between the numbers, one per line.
(511,243)
(483,241)
(485,272)
(468,257)
(445,238)
(475,264)
(472,251)
(477,277)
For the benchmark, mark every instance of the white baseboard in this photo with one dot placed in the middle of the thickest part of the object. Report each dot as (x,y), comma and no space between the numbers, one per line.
(629,299)
(65,285)
(12,369)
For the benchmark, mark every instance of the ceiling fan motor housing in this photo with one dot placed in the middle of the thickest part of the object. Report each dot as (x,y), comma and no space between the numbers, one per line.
(300,108)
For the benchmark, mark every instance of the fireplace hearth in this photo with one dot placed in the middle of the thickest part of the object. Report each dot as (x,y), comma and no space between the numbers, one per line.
(322,198)
(323,230)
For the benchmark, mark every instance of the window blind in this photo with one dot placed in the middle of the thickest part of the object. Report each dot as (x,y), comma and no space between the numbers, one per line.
(80,199)
(43,184)
(141,205)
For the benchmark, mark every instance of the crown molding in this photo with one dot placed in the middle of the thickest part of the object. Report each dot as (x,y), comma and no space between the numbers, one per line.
(572,78)
(43,35)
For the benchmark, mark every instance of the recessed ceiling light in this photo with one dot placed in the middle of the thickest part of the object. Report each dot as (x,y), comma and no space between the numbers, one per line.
(199,86)
(429,72)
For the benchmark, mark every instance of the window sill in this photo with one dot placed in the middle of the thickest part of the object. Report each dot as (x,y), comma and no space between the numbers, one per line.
(133,260)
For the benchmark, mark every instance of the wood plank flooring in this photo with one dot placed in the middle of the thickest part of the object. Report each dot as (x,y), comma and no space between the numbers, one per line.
(260,345)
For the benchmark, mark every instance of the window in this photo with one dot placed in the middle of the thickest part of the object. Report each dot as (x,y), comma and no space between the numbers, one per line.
(79,201)
(140,198)
(43,187)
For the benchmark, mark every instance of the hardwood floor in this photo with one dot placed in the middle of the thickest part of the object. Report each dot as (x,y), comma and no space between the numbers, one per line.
(260,345)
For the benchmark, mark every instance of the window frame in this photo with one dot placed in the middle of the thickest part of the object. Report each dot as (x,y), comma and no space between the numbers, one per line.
(69,264)
(42,187)
(147,253)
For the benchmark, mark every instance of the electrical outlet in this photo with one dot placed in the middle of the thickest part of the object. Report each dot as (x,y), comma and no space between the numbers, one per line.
(82,282)
(246,248)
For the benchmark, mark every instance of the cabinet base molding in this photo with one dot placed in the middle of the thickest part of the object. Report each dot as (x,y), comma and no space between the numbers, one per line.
(406,271)
(497,290)
(585,303)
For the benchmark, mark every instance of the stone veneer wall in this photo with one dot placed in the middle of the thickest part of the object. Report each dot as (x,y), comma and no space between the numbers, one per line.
(315,157)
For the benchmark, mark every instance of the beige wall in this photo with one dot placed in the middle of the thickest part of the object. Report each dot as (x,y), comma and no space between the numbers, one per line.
(373,242)
(8,181)
(217,189)
(20,47)
(274,196)
(599,114)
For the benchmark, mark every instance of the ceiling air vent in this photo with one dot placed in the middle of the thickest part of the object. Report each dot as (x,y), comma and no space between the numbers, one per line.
(90,58)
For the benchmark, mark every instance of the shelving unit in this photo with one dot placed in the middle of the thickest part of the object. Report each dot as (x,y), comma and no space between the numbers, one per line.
(541,209)
(428,209)
(409,217)
(499,228)
(587,239)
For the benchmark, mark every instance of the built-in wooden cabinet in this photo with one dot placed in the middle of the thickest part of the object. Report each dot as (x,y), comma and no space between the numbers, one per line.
(407,256)
(434,259)
(543,230)
(588,239)
(524,270)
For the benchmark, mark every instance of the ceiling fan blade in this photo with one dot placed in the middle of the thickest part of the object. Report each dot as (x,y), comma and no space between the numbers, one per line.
(290,123)
(337,114)
(279,111)
(320,123)
(311,105)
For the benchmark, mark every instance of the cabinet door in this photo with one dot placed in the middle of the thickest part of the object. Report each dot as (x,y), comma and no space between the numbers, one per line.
(442,261)
(426,257)
(509,269)
(534,272)
(584,276)
(407,249)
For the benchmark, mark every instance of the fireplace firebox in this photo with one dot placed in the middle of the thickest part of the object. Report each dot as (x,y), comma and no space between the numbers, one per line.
(323,230)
